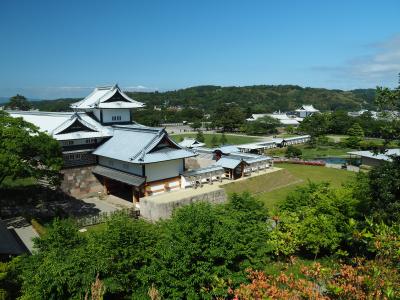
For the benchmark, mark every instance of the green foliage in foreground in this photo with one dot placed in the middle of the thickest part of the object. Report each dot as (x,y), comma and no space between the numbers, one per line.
(313,220)
(203,251)
(196,254)
(380,192)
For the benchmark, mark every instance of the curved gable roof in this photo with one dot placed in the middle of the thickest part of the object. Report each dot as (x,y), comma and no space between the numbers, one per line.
(138,144)
(107,97)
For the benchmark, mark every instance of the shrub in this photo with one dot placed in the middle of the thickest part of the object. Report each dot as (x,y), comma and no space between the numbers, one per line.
(293,152)
(40,229)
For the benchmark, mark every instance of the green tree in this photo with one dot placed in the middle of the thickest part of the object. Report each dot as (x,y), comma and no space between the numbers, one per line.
(356,136)
(340,122)
(67,262)
(389,100)
(223,140)
(379,192)
(262,125)
(315,125)
(228,117)
(27,152)
(200,136)
(19,102)
(320,213)
(292,151)
(10,284)
(196,125)
(290,129)
(214,141)
(206,246)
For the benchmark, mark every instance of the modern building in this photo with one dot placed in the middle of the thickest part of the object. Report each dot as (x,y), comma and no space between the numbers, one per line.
(127,158)
(369,158)
(306,110)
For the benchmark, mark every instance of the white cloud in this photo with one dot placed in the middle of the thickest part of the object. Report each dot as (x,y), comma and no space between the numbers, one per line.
(381,67)
(138,88)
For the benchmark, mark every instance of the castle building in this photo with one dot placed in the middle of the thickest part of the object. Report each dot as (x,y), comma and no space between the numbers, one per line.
(128,159)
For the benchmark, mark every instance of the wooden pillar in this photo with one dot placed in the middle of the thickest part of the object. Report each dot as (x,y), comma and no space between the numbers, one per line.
(135,195)
(105,188)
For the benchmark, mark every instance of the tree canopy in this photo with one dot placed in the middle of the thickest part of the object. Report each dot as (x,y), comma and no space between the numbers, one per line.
(264,125)
(18,102)
(27,152)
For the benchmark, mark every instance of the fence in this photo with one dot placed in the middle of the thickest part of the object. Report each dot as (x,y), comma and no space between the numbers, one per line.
(300,162)
(103,217)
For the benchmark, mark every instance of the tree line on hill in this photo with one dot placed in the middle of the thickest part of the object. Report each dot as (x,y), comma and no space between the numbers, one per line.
(196,103)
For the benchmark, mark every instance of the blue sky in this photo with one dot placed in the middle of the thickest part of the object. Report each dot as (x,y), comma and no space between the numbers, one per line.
(60,48)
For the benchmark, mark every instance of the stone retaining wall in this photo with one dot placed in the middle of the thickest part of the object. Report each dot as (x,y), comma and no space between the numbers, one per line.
(152,209)
(80,182)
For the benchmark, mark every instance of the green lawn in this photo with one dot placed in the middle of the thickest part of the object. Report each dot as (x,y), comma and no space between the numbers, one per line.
(312,153)
(304,174)
(274,187)
(231,139)
(323,151)
(262,183)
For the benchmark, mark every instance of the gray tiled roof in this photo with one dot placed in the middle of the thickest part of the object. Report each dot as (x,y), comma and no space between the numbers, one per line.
(209,169)
(9,243)
(136,144)
(229,163)
(119,175)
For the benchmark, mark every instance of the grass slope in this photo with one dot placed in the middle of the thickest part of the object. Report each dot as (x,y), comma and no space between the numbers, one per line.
(231,139)
(274,187)
(263,183)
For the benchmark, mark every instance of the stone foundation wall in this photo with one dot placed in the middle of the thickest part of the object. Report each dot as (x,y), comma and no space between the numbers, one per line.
(80,182)
(152,209)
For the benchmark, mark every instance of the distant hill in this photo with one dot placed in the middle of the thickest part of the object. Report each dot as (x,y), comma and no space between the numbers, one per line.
(260,98)
(62,104)
(257,99)
(6,99)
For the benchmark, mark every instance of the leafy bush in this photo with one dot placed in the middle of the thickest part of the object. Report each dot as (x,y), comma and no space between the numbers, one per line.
(201,250)
(205,247)
(380,198)
(361,280)
(313,219)
(292,152)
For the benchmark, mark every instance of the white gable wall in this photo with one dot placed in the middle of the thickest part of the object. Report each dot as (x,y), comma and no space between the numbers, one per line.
(121,165)
(96,112)
(108,115)
(163,170)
